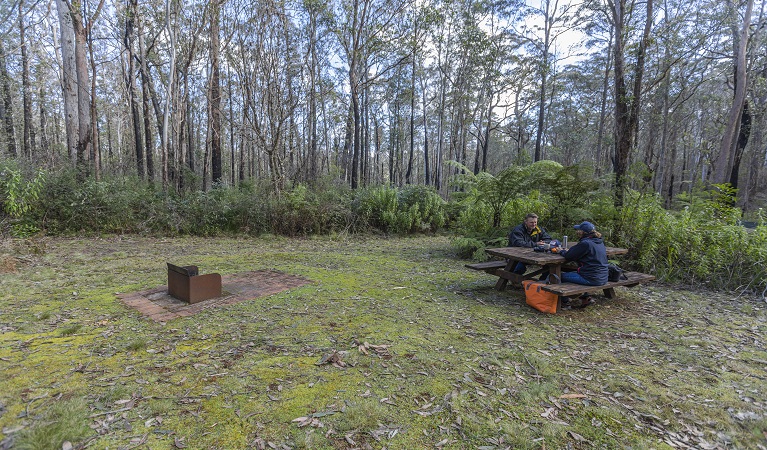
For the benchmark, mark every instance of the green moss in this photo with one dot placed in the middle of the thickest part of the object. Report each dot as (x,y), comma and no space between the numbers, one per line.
(464,363)
(70,329)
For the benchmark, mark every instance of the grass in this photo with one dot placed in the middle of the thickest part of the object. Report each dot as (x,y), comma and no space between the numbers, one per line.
(464,366)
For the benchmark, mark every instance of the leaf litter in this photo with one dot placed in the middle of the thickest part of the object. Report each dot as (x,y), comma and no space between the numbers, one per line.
(665,366)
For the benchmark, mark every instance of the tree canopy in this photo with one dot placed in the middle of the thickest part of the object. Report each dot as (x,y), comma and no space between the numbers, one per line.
(663,95)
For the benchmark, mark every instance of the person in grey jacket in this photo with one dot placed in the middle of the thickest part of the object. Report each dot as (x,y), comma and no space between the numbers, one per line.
(527,234)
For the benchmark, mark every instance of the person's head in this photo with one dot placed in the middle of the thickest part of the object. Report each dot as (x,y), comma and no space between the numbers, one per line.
(584,228)
(531,221)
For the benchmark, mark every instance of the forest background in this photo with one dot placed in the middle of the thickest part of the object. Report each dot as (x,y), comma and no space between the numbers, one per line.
(315,117)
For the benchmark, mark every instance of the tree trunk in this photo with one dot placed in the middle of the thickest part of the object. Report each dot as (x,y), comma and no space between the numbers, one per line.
(409,171)
(84,136)
(426,163)
(44,144)
(724,162)
(627,105)
(313,76)
(169,91)
(29,132)
(95,153)
(130,80)
(6,106)
(600,153)
(740,146)
(215,94)
(69,78)
(145,99)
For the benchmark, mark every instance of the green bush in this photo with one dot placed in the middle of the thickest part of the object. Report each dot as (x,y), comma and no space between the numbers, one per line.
(18,194)
(130,205)
(412,209)
(473,247)
(699,244)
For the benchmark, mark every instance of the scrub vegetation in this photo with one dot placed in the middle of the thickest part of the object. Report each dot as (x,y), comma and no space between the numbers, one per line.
(394,344)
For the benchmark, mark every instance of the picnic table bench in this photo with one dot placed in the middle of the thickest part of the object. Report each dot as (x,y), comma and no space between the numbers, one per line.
(554,263)
(572,289)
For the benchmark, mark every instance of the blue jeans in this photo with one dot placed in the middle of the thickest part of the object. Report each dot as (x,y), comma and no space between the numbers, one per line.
(575,277)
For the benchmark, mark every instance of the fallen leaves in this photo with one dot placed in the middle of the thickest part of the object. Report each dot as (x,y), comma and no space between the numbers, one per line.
(568,396)
(312,419)
(381,350)
(335,358)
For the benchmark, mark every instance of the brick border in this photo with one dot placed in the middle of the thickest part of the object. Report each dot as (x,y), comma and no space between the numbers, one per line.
(158,305)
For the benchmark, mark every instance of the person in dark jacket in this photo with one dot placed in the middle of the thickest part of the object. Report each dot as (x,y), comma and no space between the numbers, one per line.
(527,234)
(591,255)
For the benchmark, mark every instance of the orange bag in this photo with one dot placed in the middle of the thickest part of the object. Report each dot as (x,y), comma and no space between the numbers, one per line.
(539,299)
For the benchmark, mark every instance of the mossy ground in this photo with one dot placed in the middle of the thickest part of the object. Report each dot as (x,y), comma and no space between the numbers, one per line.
(466,366)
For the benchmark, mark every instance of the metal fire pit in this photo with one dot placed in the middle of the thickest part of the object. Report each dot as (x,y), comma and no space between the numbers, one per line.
(185,284)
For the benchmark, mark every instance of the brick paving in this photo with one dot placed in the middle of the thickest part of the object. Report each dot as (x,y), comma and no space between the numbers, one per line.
(159,306)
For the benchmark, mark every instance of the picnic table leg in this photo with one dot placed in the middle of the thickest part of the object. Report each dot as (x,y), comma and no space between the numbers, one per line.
(501,283)
(556,271)
(555,277)
(610,292)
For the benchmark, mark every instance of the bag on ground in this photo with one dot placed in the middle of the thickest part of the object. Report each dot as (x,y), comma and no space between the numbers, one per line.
(539,299)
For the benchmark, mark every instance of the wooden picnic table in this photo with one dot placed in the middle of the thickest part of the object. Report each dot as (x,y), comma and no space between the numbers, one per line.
(526,255)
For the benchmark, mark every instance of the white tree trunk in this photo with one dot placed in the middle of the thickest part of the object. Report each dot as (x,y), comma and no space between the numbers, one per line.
(69,77)
(723,165)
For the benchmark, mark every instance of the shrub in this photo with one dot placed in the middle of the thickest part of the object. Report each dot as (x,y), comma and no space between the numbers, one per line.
(19,193)
(473,247)
(697,244)
(414,208)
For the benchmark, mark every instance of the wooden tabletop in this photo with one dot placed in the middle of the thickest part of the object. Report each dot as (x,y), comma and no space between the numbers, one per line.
(527,255)
(551,262)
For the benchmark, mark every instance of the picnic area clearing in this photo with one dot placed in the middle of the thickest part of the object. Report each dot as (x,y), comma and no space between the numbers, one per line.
(391,343)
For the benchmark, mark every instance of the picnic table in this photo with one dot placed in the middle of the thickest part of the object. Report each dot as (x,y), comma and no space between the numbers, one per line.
(552,262)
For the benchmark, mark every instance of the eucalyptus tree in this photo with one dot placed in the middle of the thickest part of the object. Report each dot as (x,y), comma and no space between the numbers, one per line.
(727,163)
(461,45)
(365,33)
(128,36)
(557,20)
(757,163)
(7,129)
(214,98)
(683,70)
(499,56)
(631,24)
(26,87)
(189,62)
(6,105)
(270,77)
(315,33)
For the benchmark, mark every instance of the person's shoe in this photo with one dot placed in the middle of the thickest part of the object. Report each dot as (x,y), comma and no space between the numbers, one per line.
(586,301)
(565,303)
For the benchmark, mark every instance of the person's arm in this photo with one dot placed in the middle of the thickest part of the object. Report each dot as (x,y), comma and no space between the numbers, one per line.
(576,252)
(545,237)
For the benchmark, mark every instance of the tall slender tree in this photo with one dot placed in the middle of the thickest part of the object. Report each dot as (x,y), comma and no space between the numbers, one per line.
(628,91)
(724,163)
(6,105)
(215,91)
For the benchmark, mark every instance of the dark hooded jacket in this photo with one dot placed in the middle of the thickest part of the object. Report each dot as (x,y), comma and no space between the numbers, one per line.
(591,255)
(520,237)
